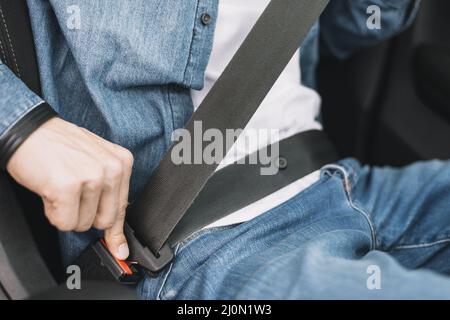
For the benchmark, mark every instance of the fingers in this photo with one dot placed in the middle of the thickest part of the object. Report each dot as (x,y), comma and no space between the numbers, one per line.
(89,204)
(82,178)
(99,198)
(114,236)
(62,203)
(108,208)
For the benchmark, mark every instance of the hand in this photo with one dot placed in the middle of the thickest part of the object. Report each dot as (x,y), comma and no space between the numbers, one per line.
(83,179)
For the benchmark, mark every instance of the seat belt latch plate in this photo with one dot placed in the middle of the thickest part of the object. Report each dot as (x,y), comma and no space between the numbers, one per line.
(152,263)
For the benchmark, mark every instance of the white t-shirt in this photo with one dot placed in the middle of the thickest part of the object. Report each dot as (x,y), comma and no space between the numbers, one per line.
(289,107)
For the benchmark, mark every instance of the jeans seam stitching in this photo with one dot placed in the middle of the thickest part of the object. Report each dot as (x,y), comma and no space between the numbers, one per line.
(166,276)
(421,245)
(169,100)
(352,203)
(355,206)
(191,45)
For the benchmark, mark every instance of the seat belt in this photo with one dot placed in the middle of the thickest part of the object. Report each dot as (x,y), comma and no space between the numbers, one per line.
(230,104)
(17,44)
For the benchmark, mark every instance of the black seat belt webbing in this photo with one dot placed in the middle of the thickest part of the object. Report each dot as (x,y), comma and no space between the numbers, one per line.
(16,40)
(229,105)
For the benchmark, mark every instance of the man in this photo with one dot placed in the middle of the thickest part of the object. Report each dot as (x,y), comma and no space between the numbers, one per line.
(128,74)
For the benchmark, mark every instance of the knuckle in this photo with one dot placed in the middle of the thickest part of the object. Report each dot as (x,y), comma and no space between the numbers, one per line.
(114,169)
(83,228)
(63,223)
(93,185)
(127,158)
(50,193)
(61,218)
(57,191)
(116,236)
(66,227)
(95,181)
(104,222)
(69,186)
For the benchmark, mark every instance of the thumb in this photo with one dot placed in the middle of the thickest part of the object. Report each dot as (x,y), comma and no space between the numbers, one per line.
(116,241)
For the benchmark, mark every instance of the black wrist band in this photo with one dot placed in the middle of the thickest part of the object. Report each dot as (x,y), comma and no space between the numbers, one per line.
(16,135)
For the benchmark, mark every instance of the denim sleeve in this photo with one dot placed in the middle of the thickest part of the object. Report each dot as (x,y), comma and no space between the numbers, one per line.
(16,99)
(344,24)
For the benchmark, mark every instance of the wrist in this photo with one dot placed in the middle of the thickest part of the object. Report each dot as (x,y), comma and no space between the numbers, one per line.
(17,134)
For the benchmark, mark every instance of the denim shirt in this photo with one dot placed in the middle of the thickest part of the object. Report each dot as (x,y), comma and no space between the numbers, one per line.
(124,70)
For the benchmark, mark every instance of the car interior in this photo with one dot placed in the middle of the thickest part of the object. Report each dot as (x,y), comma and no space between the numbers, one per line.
(387,105)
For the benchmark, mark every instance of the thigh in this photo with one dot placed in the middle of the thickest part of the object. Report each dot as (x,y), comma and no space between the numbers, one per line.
(319,271)
(273,256)
(318,245)
(336,264)
(409,209)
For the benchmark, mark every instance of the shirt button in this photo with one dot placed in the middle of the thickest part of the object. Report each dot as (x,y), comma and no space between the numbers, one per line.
(206,19)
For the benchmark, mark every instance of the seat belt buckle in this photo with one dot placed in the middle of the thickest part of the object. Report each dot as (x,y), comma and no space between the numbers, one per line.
(125,272)
(141,260)
(151,263)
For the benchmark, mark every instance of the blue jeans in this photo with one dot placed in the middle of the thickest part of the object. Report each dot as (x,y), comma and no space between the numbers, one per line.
(358,233)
